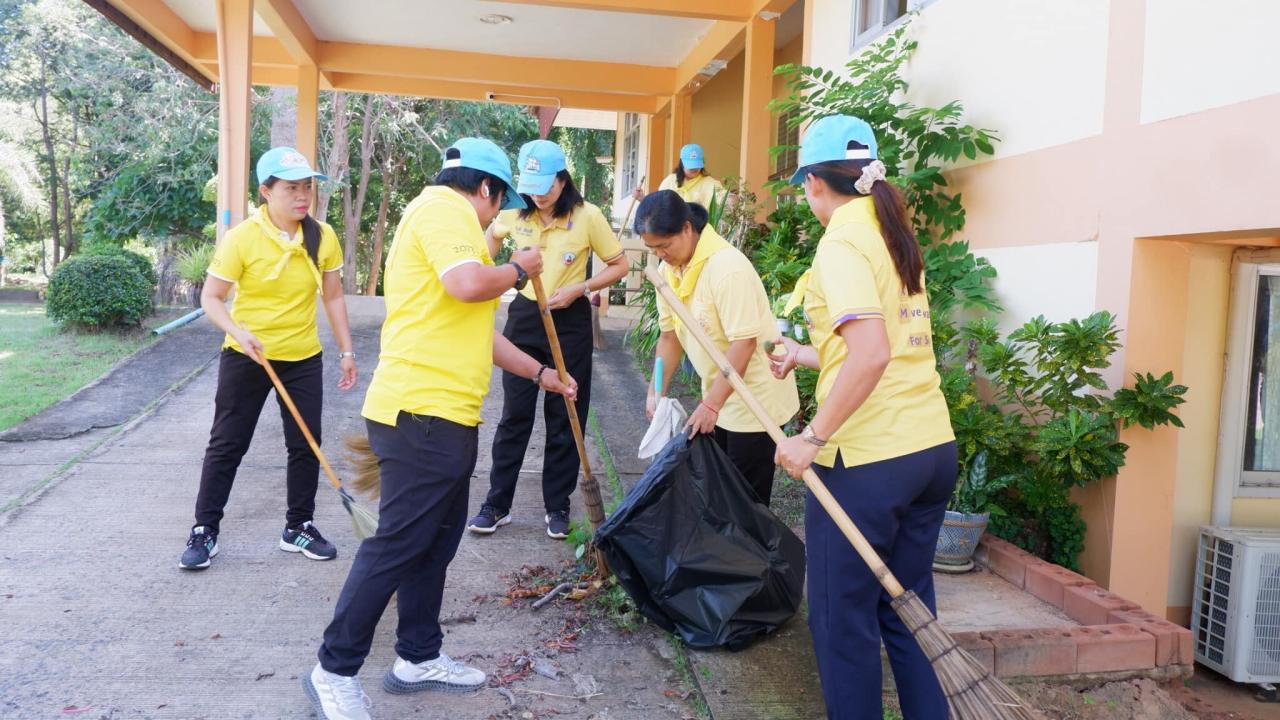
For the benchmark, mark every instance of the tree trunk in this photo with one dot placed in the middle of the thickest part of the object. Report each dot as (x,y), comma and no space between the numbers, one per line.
(336,167)
(353,210)
(284,117)
(51,159)
(389,175)
(70,244)
(4,262)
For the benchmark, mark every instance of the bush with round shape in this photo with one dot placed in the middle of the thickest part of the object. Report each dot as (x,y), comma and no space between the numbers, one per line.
(138,260)
(97,291)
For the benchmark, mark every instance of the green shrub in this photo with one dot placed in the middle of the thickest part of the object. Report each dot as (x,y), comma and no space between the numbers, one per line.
(98,291)
(140,262)
(193,264)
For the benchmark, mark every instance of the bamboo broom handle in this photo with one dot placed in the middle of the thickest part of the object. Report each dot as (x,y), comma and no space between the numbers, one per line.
(297,417)
(811,479)
(590,488)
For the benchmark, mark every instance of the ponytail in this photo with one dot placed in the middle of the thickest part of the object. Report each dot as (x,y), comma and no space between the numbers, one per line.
(311,238)
(895,225)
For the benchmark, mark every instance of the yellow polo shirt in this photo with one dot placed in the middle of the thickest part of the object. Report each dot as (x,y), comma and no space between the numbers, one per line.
(566,244)
(699,190)
(853,277)
(437,351)
(276,284)
(730,304)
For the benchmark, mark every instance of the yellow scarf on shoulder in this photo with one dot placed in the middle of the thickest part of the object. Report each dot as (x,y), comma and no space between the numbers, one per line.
(684,283)
(289,248)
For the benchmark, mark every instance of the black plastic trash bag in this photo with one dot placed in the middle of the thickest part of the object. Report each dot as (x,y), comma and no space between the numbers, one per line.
(699,554)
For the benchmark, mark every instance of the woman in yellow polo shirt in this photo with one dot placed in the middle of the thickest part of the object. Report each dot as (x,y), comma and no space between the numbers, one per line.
(690,179)
(422,413)
(568,230)
(881,439)
(278,260)
(722,289)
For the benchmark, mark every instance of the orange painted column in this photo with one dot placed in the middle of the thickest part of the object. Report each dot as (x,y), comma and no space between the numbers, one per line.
(1136,287)
(659,160)
(308,111)
(757,91)
(235,65)
(681,125)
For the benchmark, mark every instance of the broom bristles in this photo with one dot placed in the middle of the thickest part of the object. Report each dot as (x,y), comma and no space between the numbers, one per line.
(972,691)
(363,520)
(368,477)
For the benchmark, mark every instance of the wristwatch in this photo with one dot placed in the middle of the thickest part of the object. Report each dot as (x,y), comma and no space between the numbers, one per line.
(522,277)
(537,379)
(811,437)
(347,354)
(586,289)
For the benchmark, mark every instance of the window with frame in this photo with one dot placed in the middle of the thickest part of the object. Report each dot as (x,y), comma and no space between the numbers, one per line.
(873,18)
(630,151)
(789,137)
(1250,422)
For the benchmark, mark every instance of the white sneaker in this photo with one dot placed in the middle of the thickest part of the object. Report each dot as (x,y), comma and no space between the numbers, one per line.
(336,697)
(443,674)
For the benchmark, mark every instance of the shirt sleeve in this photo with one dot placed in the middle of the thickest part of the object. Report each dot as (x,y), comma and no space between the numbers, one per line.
(740,304)
(665,323)
(330,252)
(228,263)
(449,237)
(847,281)
(603,242)
(668,183)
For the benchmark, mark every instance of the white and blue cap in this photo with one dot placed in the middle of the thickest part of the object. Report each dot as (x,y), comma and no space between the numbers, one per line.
(485,156)
(835,137)
(539,162)
(287,164)
(692,157)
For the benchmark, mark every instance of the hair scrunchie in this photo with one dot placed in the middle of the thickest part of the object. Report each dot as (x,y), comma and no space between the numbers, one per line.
(872,172)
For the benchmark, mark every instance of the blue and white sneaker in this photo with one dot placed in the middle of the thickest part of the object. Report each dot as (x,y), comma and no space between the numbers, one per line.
(202,545)
(306,539)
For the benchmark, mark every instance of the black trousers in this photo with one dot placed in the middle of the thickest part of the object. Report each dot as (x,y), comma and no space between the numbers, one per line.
(752,453)
(898,504)
(425,464)
(243,386)
(560,463)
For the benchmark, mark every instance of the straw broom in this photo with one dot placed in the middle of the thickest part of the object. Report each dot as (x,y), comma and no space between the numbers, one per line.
(972,691)
(364,521)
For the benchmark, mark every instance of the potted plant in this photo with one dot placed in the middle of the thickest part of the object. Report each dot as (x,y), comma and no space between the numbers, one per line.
(192,266)
(972,505)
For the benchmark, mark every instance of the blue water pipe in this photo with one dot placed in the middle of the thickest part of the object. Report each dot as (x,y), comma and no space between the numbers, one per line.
(174,325)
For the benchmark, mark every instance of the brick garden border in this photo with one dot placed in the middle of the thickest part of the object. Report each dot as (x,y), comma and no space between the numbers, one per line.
(1116,637)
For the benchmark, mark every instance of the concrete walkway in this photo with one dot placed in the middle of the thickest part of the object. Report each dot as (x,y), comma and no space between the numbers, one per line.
(99,623)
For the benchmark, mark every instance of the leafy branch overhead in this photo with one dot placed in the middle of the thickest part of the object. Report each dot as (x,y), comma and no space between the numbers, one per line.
(915,142)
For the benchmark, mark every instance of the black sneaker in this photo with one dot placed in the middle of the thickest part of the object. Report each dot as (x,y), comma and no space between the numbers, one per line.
(201,547)
(557,524)
(488,520)
(307,540)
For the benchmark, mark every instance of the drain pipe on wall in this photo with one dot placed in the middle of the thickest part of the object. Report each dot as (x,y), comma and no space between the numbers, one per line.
(174,325)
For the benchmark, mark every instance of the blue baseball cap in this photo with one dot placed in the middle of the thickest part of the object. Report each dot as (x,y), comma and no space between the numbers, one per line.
(539,162)
(692,157)
(483,155)
(287,164)
(828,139)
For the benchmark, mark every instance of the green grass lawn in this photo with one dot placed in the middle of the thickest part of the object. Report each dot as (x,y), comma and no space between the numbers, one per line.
(40,364)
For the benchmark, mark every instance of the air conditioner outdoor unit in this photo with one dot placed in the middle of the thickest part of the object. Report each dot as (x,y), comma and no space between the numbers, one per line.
(1235,613)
